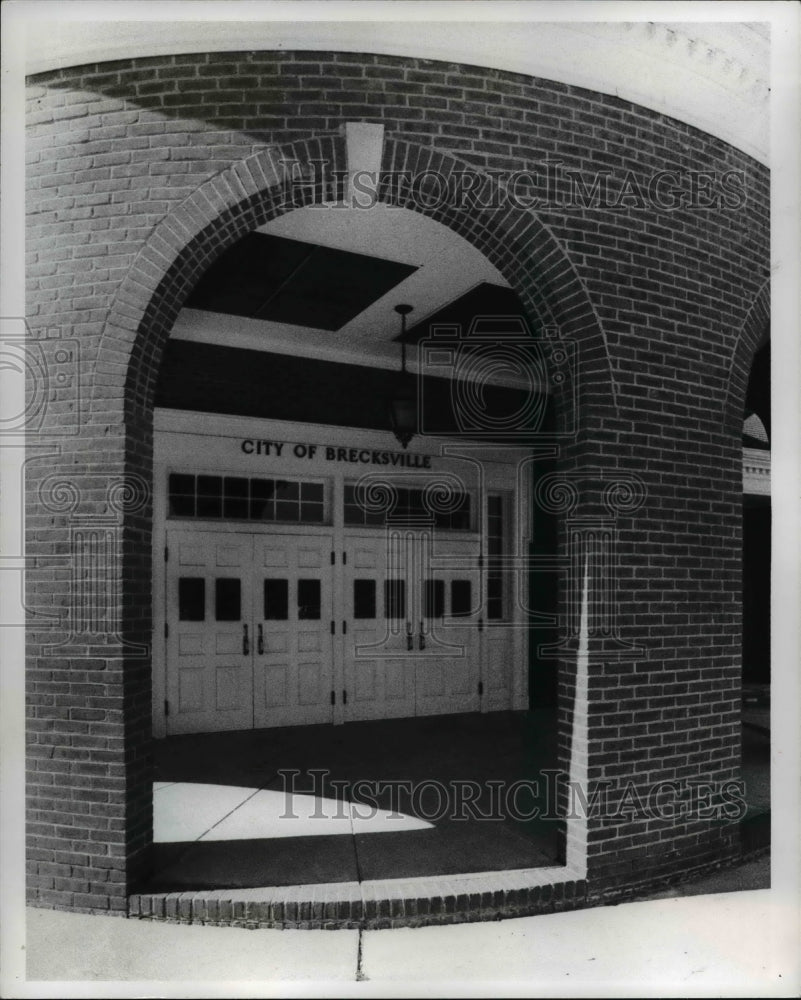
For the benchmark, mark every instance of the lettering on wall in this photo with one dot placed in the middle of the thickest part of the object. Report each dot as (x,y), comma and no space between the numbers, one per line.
(335,453)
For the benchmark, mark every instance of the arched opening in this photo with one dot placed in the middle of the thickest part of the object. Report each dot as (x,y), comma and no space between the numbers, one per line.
(750,405)
(513,244)
(756,524)
(756,576)
(415,636)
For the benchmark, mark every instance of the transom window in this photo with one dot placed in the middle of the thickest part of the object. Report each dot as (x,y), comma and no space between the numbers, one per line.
(242,499)
(409,503)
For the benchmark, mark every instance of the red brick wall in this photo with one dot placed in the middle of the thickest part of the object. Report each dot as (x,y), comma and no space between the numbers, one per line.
(140,172)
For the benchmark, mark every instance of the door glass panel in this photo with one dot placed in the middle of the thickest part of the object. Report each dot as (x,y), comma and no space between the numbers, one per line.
(395,598)
(276,600)
(191,599)
(434,599)
(498,582)
(309,600)
(364,598)
(227,599)
(461,598)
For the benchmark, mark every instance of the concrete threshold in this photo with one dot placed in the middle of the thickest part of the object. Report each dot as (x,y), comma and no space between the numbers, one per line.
(373,904)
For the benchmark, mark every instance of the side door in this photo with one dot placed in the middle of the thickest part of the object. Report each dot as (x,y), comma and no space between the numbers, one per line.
(378,603)
(293,640)
(209,640)
(450,626)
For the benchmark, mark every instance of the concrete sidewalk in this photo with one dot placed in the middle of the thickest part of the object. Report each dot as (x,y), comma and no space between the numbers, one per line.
(736,944)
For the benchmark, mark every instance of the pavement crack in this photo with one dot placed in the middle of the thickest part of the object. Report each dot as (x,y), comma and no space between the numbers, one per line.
(229,813)
(360,976)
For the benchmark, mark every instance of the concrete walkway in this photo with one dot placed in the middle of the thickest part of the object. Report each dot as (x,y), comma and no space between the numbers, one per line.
(736,944)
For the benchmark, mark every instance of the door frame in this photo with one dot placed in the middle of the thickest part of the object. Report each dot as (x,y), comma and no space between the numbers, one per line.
(211,444)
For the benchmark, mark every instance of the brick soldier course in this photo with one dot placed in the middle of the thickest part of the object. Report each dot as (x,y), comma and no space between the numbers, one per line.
(141,172)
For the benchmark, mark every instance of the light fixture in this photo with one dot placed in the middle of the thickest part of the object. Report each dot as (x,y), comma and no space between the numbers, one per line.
(403,404)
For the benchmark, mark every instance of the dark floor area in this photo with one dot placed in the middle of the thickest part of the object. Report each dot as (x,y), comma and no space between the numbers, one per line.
(443,768)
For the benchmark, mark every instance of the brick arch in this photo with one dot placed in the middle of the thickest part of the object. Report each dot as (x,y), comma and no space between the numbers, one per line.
(251,192)
(752,335)
(519,245)
(183,245)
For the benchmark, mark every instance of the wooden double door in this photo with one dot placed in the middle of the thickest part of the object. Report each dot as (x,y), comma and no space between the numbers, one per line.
(281,629)
(248,640)
(413,613)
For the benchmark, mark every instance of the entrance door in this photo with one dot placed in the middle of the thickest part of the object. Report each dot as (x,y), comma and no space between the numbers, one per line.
(412,619)
(449,627)
(294,645)
(249,639)
(378,604)
(208,645)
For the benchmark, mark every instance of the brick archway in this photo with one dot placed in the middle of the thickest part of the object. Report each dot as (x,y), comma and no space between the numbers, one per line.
(753,333)
(252,192)
(180,249)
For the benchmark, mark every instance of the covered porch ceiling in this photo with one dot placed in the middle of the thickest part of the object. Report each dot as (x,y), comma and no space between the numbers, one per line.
(323,282)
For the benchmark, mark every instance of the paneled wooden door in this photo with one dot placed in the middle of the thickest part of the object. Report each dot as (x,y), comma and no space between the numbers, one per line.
(413,625)
(249,640)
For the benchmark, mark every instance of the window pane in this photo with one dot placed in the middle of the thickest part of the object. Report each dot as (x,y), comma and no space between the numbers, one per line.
(460,518)
(312,491)
(354,515)
(461,597)
(287,510)
(494,610)
(262,499)
(364,598)
(276,600)
(182,484)
(494,597)
(191,599)
(227,599)
(209,496)
(395,598)
(287,491)
(235,500)
(181,491)
(308,600)
(434,599)
(498,578)
(311,513)
(182,506)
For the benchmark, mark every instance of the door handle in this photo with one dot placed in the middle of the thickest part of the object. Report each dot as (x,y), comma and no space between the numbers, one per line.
(260,641)
(245,641)
(409,636)
(422,637)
